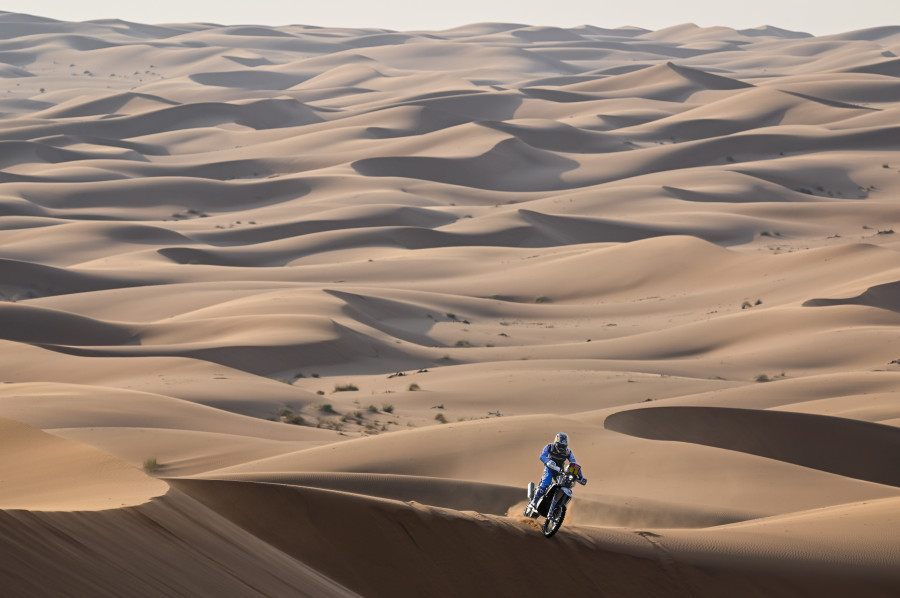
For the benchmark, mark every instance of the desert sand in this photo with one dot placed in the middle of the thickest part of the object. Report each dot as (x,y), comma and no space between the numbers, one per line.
(292,311)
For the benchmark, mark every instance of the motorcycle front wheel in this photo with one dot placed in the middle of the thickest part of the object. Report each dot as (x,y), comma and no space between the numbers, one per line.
(554,521)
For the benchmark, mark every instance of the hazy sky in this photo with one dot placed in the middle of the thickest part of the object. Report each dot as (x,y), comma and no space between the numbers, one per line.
(819,17)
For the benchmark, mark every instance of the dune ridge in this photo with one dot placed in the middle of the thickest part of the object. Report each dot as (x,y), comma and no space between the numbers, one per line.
(413,529)
(333,289)
(850,448)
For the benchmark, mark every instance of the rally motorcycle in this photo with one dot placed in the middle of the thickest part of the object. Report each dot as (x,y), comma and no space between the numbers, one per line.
(552,504)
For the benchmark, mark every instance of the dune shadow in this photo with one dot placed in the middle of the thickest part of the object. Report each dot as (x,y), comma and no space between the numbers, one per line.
(851,448)
(882,296)
(511,165)
(358,542)
(249,80)
(494,499)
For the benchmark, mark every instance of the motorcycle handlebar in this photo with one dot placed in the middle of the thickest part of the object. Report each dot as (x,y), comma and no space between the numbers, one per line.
(580,480)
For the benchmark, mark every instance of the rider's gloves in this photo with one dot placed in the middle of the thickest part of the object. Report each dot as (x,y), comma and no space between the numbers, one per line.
(553,466)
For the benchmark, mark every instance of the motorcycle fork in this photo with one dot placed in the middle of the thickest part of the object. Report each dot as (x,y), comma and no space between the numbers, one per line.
(555,500)
(559,497)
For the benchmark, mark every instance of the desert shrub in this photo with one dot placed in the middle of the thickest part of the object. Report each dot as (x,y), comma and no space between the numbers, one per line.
(151,465)
(345,387)
(373,409)
(327,408)
(463,343)
(440,417)
(356,416)
(387,408)
(762,378)
(746,304)
(331,425)
(414,386)
(289,417)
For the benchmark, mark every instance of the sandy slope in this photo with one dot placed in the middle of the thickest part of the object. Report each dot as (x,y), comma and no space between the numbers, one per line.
(172,546)
(344,284)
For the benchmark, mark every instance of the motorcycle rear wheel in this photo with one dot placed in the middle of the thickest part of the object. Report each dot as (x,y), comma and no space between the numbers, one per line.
(554,521)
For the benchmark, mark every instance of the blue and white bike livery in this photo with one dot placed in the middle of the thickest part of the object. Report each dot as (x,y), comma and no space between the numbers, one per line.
(552,504)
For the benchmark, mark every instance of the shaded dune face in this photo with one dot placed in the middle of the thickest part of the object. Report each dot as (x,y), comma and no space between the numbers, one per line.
(338,287)
(849,448)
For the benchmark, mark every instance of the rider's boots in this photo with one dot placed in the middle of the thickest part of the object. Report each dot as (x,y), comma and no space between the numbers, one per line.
(529,510)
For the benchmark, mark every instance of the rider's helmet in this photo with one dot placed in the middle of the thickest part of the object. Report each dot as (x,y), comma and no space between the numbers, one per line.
(561,441)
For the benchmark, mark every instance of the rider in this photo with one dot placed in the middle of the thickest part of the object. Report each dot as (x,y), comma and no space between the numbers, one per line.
(553,457)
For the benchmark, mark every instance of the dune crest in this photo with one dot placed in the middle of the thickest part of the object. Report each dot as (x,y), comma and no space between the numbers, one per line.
(42,472)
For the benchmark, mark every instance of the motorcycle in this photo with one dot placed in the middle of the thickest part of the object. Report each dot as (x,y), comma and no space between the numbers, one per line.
(552,504)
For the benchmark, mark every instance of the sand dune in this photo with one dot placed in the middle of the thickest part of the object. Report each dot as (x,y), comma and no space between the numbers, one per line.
(850,448)
(173,545)
(412,531)
(45,473)
(342,285)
